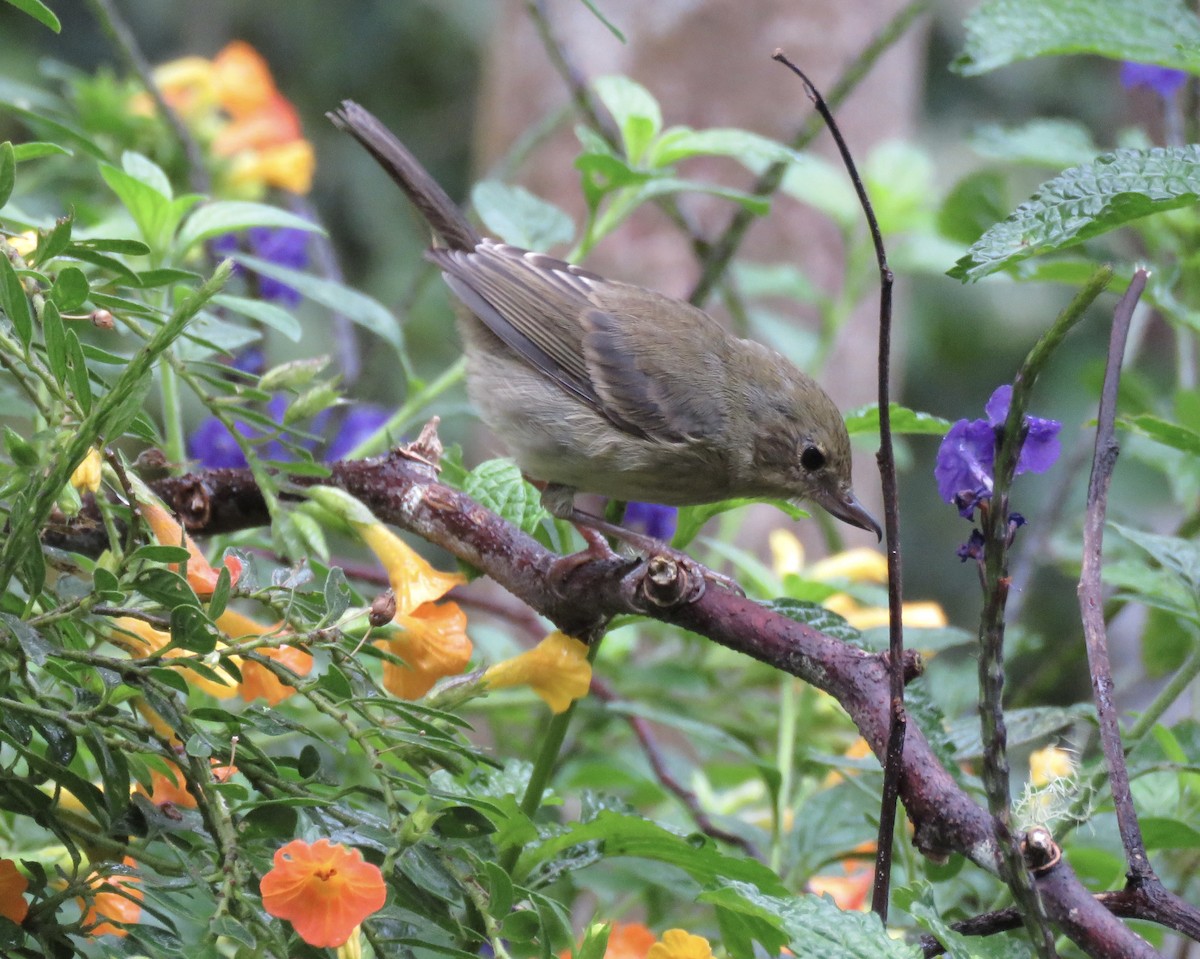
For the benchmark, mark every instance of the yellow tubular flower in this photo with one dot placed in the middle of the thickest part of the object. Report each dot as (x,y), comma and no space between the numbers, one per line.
(857,565)
(288,166)
(680,944)
(556,669)
(86,477)
(433,643)
(1049,764)
(24,243)
(186,84)
(139,638)
(787,552)
(927,615)
(413,579)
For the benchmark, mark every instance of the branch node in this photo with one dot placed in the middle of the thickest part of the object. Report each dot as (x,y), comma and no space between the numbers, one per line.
(1039,850)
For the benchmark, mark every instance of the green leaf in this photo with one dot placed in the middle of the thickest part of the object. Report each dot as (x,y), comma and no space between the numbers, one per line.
(112,245)
(1001,32)
(974,203)
(1087,201)
(1165,432)
(8,171)
(70,290)
(268,314)
(149,208)
(56,342)
(1179,556)
(823,186)
(14,303)
(1160,832)
(636,111)
(519,217)
(40,12)
(499,486)
(692,518)
(52,242)
(230,216)
(77,371)
(1024,726)
(1053,143)
(357,307)
(22,452)
(36,149)
(818,617)
(811,925)
(752,149)
(865,419)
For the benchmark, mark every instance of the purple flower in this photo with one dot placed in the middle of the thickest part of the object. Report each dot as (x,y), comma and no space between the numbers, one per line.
(966,459)
(1165,81)
(285,246)
(214,447)
(358,424)
(657,522)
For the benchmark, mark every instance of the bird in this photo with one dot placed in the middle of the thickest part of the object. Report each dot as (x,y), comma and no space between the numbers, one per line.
(603,387)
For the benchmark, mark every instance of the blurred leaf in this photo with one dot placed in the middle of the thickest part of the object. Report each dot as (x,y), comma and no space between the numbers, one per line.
(499,486)
(976,202)
(1175,554)
(56,342)
(32,644)
(70,289)
(41,13)
(20,449)
(8,171)
(1000,32)
(231,216)
(692,518)
(35,149)
(823,186)
(636,111)
(1165,432)
(811,925)
(519,217)
(1052,143)
(755,150)
(14,302)
(1160,832)
(865,419)
(358,307)
(268,314)
(1087,201)
(1024,726)
(818,617)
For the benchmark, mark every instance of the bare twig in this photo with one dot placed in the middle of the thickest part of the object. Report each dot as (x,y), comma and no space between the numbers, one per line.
(1091,601)
(891,518)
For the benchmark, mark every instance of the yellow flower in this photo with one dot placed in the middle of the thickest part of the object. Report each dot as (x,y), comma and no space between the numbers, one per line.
(288,166)
(24,243)
(186,84)
(413,580)
(86,477)
(557,669)
(787,552)
(433,643)
(862,565)
(927,615)
(680,944)
(1049,764)
(859,749)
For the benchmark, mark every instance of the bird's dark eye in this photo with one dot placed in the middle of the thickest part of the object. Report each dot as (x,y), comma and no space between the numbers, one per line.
(812,458)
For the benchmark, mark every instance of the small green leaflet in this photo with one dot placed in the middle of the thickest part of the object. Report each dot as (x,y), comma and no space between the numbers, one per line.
(865,419)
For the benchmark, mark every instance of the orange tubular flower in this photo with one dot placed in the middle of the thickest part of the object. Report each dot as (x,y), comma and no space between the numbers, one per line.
(242,79)
(629,940)
(200,573)
(171,787)
(413,579)
(12,892)
(433,643)
(680,944)
(257,679)
(557,669)
(110,906)
(850,890)
(325,890)
(139,638)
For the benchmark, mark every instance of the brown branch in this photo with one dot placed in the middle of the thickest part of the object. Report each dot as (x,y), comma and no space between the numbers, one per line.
(581,597)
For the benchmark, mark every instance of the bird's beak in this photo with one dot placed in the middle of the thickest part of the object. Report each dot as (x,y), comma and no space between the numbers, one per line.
(844,505)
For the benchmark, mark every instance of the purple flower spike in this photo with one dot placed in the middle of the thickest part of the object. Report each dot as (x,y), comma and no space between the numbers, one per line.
(285,246)
(1165,81)
(657,521)
(358,424)
(966,459)
(214,447)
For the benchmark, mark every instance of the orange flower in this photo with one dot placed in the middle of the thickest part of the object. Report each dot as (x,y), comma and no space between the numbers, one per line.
(433,643)
(680,944)
(257,679)
(288,166)
(200,574)
(628,940)
(171,786)
(274,124)
(557,669)
(850,890)
(325,890)
(139,638)
(242,79)
(186,85)
(12,892)
(120,901)
(413,579)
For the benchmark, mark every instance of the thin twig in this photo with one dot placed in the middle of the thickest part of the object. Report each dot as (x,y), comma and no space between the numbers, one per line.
(127,47)
(1091,602)
(891,520)
(722,250)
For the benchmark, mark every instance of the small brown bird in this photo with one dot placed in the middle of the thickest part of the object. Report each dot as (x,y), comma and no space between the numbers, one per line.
(603,387)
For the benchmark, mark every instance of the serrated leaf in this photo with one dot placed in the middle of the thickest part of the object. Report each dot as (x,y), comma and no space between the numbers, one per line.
(637,113)
(8,171)
(230,216)
(14,303)
(1165,432)
(40,12)
(499,486)
(1000,32)
(357,307)
(865,419)
(818,617)
(519,217)
(1087,201)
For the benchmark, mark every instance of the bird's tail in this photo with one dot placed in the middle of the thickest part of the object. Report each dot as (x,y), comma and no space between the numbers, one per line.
(422,189)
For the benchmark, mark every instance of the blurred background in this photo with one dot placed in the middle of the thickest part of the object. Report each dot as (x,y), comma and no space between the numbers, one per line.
(462,84)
